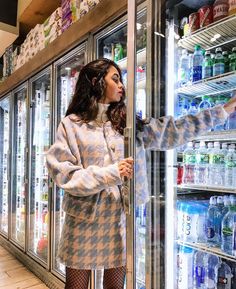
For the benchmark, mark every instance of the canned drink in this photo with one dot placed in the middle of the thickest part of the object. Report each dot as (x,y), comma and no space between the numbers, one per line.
(205,15)
(194,22)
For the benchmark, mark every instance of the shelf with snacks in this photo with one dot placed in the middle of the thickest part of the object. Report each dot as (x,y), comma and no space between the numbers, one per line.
(208,249)
(76,33)
(220,84)
(206,36)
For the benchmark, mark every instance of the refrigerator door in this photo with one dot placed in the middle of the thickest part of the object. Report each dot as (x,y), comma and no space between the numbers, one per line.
(67,70)
(19,168)
(4,162)
(40,104)
(111,43)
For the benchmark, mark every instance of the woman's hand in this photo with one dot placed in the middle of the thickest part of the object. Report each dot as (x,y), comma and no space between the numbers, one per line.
(230,106)
(126,167)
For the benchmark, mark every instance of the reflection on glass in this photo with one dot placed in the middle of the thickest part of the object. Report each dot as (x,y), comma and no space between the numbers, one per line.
(114,46)
(4,147)
(40,142)
(19,168)
(67,75)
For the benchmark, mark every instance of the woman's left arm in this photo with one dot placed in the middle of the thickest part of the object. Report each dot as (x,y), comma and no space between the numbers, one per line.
(166,133)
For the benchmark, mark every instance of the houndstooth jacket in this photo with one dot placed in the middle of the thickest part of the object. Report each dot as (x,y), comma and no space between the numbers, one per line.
(75,160)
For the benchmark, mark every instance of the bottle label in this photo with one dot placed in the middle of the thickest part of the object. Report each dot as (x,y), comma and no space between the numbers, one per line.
(197,73)
(216,159)
(227,231)
(202,158)
(210,233)
(207,71)
(218,68)
(189,159)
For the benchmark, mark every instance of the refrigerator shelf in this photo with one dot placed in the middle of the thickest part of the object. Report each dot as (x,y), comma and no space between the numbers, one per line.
(208,249)
(206,35)
(226,136)
(207,188)
(220,84)
(141,59)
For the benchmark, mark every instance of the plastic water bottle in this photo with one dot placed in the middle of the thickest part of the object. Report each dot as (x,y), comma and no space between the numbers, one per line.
(230,167)
(231,122)
(210,147)
(199,270)
(221,99)
(219,64)
(189,160)
(219,215)
(213,222)
(184,68)
(205,103)
(185,272)
(211,264)
(224,276)
(216,166)
(226,205)
(207,65)
(193,108)
(201,167)
(197,63)
(228,230)
(226,60)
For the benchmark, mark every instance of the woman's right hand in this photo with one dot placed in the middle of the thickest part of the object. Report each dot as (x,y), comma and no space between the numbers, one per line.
(126,167)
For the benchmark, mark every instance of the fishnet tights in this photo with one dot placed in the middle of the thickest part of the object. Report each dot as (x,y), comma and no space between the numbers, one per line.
(79,279)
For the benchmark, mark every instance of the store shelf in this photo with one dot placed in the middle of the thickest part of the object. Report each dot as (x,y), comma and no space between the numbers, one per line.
(225,136)
(208,249)
(220,84)
(203,36)
(207,188)
(141,59)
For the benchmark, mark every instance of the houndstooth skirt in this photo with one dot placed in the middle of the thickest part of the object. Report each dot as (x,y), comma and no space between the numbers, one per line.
(100,244)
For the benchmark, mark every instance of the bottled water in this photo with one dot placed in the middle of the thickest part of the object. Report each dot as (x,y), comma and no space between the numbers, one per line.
(184,68)
(205,103)
(189,159)
(201,167)
(230,167)
(209,149)
(216,166)
(228,229)
(226,205)
(193,108)
(199,270)
(185,272)
(224,276)
(219,63)
(207,65)
(197,63)
(211,263)
(220,100)
(213,222)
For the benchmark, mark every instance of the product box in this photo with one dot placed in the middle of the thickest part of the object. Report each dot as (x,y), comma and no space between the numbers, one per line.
(84,8)
(66,22)
(65,8)
(92,3)
(75,10)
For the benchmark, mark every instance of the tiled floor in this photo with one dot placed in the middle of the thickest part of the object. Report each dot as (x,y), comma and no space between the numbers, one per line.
(13,275)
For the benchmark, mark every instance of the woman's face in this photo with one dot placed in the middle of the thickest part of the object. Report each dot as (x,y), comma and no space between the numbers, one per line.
(114,87)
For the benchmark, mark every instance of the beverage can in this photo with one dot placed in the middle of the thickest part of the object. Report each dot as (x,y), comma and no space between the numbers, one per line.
(194,22)
(205,15)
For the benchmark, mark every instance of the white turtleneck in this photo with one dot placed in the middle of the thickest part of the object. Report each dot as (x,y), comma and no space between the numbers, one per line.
(102,118)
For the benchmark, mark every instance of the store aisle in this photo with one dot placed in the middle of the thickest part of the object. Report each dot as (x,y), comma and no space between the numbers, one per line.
(13,275)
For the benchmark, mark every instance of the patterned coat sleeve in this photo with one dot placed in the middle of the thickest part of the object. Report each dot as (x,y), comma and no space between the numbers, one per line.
(166,133)
(65,167)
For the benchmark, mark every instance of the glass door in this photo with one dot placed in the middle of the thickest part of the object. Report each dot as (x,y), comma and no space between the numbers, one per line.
(19,169)
(40,104)
(111,43)
(4,162)
(67,70)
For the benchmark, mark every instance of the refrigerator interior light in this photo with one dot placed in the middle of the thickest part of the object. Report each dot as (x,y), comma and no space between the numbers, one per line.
(68,68)
(139,26)
(215,37)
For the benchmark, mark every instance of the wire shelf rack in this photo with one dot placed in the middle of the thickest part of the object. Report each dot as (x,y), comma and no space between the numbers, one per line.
(220,84)
(225,28)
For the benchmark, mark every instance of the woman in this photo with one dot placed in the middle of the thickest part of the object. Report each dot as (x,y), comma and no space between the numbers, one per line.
(87,161)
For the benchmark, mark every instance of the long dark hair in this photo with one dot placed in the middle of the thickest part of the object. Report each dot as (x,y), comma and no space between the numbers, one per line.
(90,89)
